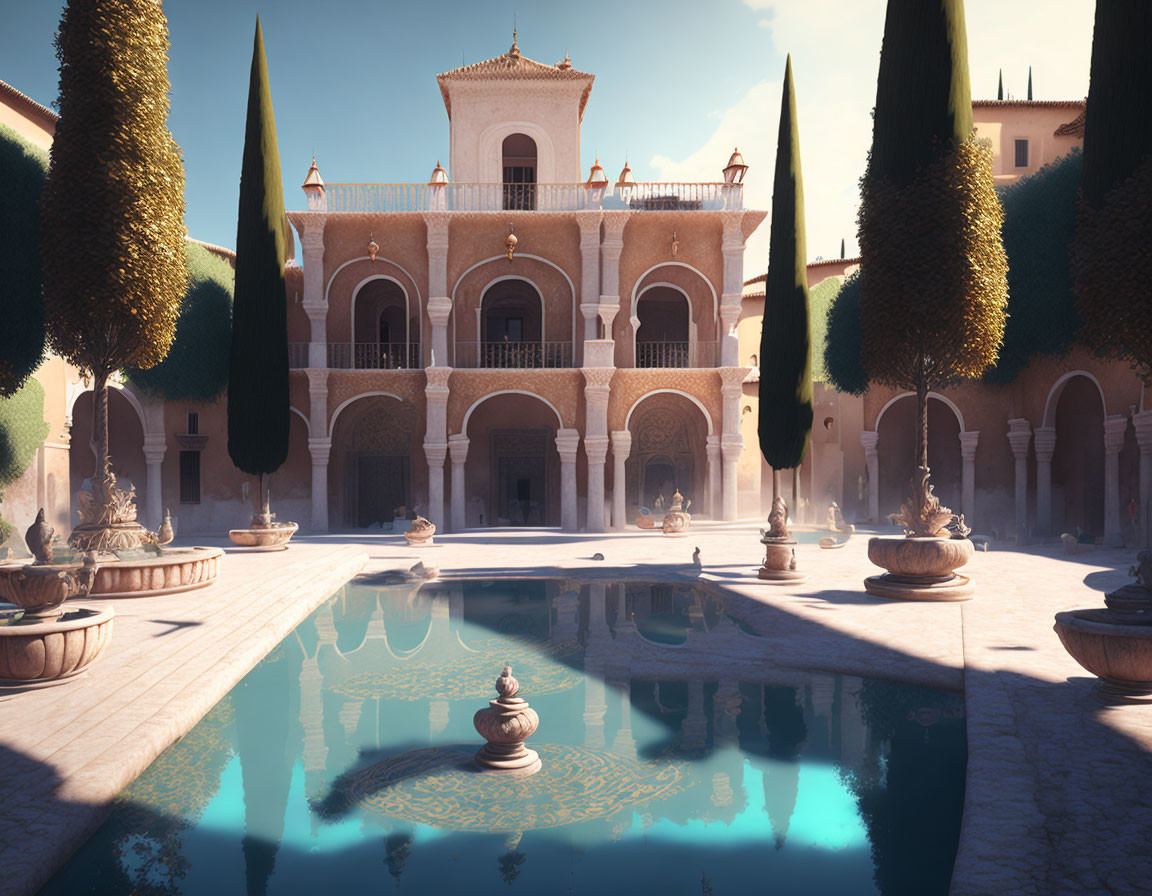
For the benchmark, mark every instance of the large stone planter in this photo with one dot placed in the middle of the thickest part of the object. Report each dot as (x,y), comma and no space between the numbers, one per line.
(41,653)
(265,538)
(419,534)
(1119,655)
(920,568)
(170,572)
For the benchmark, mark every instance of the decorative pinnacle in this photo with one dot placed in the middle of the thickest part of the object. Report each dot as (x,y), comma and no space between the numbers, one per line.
(507,686)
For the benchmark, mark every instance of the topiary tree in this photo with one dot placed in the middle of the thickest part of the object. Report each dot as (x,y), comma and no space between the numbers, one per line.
(22,430)
(785,340)
(934,274)
(258,402)
(1112,252)
(21,301)
(1039,220)
(112,220)
(820,299)
(842,340)
(196,367)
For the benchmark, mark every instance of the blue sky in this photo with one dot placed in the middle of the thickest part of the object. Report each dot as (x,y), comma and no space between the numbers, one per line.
(679,82)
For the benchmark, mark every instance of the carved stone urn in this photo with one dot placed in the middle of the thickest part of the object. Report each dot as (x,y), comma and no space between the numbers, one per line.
(922,564)
(420,533)
(40,590)
(264,532)
(779,564)
(677,519)
(505,725)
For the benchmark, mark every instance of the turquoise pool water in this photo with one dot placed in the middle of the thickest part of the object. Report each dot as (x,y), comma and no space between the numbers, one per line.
(676,759)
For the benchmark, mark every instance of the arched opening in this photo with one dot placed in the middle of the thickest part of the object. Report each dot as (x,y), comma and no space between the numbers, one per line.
(384,335)
(669,453)
(376,463)
(663,338)
(125,446)
(1078,461)
(896,447)
(518,162)
(511,321)
(512,473)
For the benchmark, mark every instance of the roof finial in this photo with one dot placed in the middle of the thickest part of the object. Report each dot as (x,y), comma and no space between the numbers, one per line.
(514,50)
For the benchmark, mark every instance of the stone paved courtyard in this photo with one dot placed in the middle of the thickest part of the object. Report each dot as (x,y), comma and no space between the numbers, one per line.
(1058,800)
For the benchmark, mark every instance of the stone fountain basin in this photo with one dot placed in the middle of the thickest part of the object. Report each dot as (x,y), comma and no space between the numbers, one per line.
(172,571)
(268,538)
(44,652)
(40,589)
(920,557)
(1119,654)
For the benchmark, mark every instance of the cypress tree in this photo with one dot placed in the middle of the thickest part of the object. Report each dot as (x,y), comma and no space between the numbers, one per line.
(22,301)
(1000,87)
(258,402)
(933,270)
(1029,83)
(785,340)
(112,220)
(1112,251)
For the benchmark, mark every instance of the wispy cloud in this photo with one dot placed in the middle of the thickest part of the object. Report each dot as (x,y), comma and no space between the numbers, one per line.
(835,48)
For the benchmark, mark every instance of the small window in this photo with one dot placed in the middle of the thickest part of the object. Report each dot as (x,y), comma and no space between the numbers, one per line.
(193,423)
(1021,153)
(190,477)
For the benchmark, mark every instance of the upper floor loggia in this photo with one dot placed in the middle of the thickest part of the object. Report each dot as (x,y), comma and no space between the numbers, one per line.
(514,143)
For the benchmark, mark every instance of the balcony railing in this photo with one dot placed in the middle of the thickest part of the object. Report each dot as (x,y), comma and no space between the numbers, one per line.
(676,354)
(361,356)
(513,355)
(493,197)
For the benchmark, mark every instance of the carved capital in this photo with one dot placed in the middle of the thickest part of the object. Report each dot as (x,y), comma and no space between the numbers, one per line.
(312,239)
(567,443)
(317,382)
(733,223)
(712,446)
(869,439)
(596,382)
(439,310)
(320,449)
(1019,437)
(614,222)
(437,224)
(1143,424)
(155,446)
(596,447)
(1115,426)
(435,452)
(968,442)
(589,223)
(607,312)
(621,443)
(1044,440)
(458,445)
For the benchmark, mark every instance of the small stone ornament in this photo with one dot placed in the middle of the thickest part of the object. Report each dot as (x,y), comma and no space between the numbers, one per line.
(505,725)
(165,533)
(39,539)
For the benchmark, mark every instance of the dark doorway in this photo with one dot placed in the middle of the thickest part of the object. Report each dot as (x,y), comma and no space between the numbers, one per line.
(521,461)
(382,489)
(518,162)
(660,482)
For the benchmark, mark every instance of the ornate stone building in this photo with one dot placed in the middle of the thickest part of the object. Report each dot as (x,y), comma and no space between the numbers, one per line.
(516,342)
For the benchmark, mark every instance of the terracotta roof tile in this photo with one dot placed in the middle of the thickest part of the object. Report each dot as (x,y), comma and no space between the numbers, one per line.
(511,66)
(981,104)
(1073,128)
(46,116)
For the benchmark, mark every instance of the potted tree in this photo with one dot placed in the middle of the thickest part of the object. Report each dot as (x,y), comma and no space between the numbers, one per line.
(785,421)
(933,269)
(258,403)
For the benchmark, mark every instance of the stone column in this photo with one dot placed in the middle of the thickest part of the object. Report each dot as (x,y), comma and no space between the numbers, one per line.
(712,446)
(314,301)
(439,303)
(968,442)
(568,443)
(621,448)
(596,392)
(731,441)
(872,463)
(611,245)
(1143,423)
(458,445)
(732,246)
(155,446)
(321,450)
(1114,428)
(589,224)
(1044,442)
(1019,436)
(319,445)
(436,438)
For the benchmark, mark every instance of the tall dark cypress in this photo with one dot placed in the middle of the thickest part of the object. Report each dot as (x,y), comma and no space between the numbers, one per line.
(258,403)
(1000,87)
(786,341)
(933,271)
(1029,83)
(1112,251)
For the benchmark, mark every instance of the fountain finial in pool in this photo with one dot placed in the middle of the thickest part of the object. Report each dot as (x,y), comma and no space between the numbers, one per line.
(505,725)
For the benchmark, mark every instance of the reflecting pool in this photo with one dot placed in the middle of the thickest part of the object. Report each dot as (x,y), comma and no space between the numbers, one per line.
(676,759)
